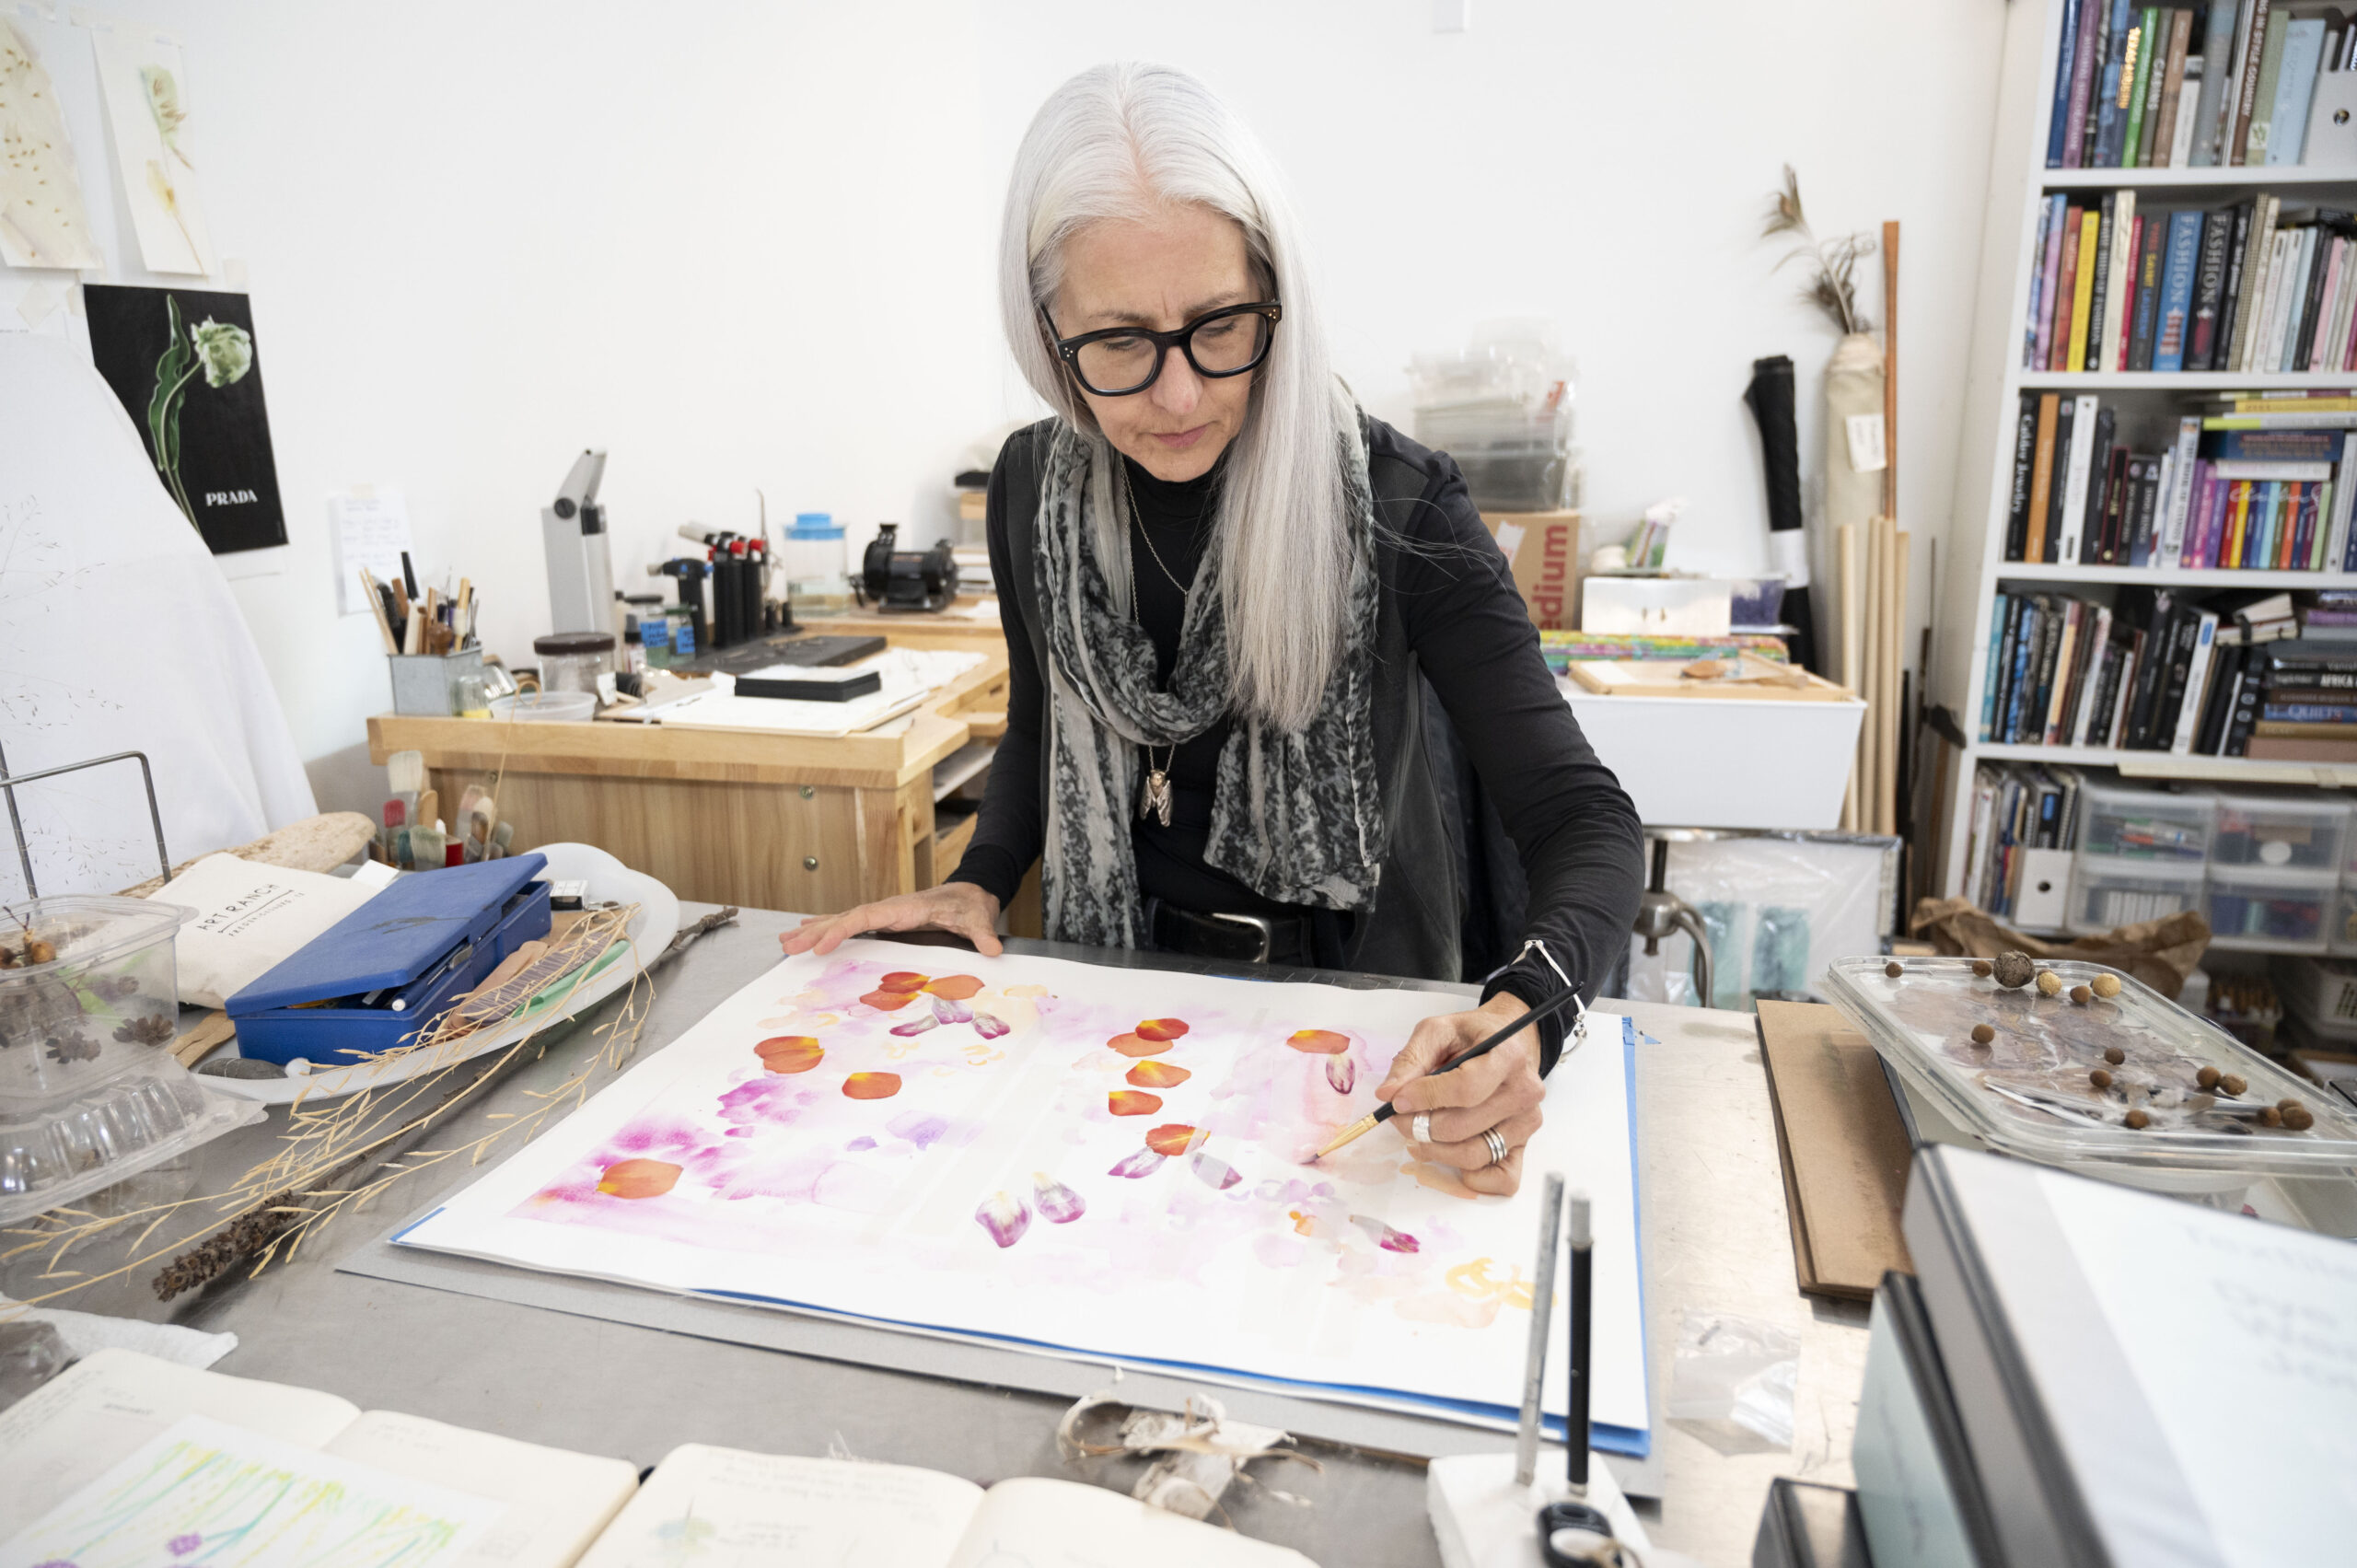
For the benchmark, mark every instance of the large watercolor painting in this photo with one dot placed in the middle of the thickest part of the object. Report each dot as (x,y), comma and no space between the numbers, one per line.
(1077,1160)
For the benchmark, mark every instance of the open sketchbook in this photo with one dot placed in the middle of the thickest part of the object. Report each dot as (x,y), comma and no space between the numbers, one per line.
(124,1461)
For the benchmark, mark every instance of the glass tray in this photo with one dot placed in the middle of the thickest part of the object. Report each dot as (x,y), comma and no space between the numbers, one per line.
(2045,1048)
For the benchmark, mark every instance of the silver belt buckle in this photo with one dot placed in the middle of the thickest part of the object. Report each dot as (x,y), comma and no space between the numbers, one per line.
(1257,922)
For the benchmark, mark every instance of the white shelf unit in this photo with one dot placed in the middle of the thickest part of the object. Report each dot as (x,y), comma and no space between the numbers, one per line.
(2018,181)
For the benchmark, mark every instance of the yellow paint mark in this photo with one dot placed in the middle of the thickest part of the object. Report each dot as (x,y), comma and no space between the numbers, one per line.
(1473,1281)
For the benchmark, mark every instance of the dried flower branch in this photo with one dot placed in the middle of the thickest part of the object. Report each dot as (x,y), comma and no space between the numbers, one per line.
(1833,280)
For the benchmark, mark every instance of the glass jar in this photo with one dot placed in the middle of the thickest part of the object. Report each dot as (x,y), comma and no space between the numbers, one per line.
(817,564)
(572,661)
(471,693)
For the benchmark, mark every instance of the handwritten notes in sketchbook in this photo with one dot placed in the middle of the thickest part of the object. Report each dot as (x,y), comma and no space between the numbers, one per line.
(1107,1164)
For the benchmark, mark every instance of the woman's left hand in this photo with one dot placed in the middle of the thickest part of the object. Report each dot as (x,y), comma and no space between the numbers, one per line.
(1501,1090)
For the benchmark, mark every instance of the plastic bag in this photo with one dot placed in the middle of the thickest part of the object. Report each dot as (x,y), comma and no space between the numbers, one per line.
(1738,1369)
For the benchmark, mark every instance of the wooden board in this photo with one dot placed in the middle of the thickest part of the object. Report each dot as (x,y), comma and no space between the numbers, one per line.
(1844,1151)
(315,843)
(1661,678)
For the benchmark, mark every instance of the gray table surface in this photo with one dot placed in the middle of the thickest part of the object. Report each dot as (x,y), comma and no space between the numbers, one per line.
(1715,1237)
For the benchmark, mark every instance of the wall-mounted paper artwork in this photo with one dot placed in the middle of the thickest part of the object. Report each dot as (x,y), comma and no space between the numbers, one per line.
(147,108)
(1102,1164)
(42,222)
(182,362)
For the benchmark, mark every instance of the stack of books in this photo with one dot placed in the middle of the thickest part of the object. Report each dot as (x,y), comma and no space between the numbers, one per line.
(2228,84)
(2017,808)
(2251,289)
(2160,672)
(2257,484)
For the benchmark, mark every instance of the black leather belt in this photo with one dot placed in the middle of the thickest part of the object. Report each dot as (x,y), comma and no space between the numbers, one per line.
(1234,938)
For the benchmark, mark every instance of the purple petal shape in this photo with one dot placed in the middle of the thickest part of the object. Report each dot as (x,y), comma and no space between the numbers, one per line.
(1058,1205)
(950,1012)
(917,1024)
(1213,1172)
(1004,1216)
(1340,1073)
(988,1024)
(180,1546)
(1391,1240)
(1145,1161)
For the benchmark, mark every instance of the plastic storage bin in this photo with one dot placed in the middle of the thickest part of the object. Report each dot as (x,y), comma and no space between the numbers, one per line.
(2340,934)
(546,707)
(2127,821)
(2108,891)
(2282,911)
(2028,1092)
(2278,830)
(89,1092)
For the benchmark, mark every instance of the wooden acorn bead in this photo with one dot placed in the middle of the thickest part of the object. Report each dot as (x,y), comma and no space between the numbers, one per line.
(2099,1078)
(1894,969)
(2137,1119)
(2114,1055)
(1982,1034)
(1984,967)
(2232,1084)
(2104,985)
(2016,969)
(2207,1077)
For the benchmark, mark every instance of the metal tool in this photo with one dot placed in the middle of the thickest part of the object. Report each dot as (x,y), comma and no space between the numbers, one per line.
(1661,913)
(581,566)
(8,783)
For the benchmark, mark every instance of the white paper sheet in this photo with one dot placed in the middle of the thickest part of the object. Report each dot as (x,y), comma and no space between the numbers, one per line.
(145,87)
(794,1150)
(370,527)
(203,1492)
(43,221)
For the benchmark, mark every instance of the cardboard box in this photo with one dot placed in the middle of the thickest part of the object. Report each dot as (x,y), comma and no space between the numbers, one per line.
(1844,1150)
(1543,549)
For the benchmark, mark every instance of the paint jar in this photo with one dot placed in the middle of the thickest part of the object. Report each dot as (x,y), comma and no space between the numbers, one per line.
(572,661)
(817,564)
(683,634)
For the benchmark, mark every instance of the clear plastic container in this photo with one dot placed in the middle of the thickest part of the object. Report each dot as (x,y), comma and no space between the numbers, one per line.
(2276,911)
(2341,937)
(2125,821)
(2044,1050)
(2108,891)
(2278,830)
(572,661)
(546,707)
(818,563)
(89,1093)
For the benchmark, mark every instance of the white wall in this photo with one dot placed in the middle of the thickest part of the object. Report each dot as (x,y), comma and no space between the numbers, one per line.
(749,244)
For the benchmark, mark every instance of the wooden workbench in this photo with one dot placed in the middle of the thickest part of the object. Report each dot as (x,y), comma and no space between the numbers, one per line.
(756,820)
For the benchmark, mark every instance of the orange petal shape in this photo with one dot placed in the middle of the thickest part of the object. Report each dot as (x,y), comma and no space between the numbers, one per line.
(638,1178)
(1132,1102)
(889,1001)
(1163,1029)
(1158,1075)
(1138,1045)
(790,1053)
(1319,1042)
(1171,1138)
(902,980)
(953,987)
(872,1086)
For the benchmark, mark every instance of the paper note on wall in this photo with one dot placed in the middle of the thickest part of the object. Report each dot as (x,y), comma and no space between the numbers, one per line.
(42,222)
(146,88)
(371,528)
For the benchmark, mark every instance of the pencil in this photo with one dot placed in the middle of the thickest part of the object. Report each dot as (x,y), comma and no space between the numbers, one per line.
(1384,1112)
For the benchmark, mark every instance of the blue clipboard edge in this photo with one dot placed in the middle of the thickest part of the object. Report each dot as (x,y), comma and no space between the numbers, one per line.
(1634,1442)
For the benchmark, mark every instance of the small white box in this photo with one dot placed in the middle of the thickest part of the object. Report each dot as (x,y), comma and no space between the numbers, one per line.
(1661,607)
(2043,899)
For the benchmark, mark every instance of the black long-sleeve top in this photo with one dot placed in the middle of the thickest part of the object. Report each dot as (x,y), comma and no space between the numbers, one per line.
(1574,828)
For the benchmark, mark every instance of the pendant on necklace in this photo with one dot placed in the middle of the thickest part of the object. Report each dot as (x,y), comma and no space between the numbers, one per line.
(1155,799)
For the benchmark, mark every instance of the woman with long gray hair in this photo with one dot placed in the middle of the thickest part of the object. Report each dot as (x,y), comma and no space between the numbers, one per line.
(1225,589)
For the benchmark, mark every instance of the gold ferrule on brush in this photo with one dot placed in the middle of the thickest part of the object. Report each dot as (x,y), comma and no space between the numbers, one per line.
(1358,1129)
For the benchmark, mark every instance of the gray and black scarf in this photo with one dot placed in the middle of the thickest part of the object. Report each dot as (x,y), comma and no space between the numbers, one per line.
(1296,814)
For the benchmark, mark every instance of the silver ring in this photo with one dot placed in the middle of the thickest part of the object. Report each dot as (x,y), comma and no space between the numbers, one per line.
(1497,1147)
(1420,1126)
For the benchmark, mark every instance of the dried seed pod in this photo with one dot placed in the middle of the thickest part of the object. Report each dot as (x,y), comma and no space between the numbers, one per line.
(2231,1084)
(2270,1117)
(2099,1078)
(2080,994)
(2287,1103)
(2104,985)
(2299,1120)
(1894,969)
(1984,967)
(1982,1034)
(38,951)
(2048,983)
(2207,1077)
(2137,1119)
(2016,969)
(2114,1055)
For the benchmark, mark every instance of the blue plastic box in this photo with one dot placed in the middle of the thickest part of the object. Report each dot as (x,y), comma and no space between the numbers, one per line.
(423,942)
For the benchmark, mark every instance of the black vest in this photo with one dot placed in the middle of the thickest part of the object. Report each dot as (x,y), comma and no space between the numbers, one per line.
(1413,929)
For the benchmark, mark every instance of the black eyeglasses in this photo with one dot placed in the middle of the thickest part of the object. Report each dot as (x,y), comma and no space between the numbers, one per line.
(1119,361)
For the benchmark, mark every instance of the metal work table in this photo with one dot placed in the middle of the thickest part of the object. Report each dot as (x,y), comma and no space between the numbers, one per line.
(1715,1239)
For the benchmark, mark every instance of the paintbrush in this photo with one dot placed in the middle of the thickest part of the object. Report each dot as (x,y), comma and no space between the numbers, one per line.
(1384,1112)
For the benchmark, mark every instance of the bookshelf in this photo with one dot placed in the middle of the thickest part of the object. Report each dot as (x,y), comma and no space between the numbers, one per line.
(1972,562)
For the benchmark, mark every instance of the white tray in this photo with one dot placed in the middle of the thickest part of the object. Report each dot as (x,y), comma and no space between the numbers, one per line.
(651,930)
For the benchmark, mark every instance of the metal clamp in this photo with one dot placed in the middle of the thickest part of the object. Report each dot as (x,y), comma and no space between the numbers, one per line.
(9,782)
